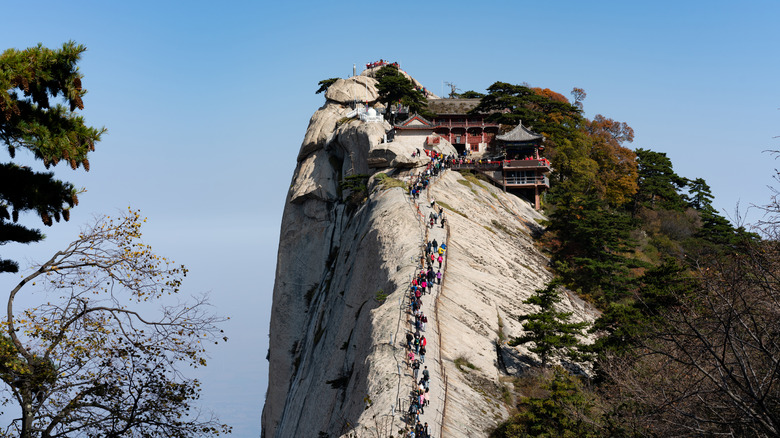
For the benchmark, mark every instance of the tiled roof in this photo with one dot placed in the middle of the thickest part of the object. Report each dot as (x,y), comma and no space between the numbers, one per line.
(424,122)
(452,106)
(519,133)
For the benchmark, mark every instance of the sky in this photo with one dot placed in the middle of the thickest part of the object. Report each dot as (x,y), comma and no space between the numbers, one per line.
(206,104)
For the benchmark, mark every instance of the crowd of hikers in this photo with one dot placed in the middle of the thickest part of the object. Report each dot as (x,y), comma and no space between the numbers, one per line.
(439,162)
(428,275)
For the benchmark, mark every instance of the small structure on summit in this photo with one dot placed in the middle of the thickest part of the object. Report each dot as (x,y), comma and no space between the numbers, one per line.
(369,115)
(381,63)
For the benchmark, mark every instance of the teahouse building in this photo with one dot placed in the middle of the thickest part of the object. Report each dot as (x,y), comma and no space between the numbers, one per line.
(524,171)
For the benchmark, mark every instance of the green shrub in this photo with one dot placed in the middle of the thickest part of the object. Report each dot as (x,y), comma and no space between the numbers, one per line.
(445,205)
(389,182)
(461,362)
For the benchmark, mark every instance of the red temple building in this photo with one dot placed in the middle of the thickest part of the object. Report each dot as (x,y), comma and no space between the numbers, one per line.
(517,165)
(469,133)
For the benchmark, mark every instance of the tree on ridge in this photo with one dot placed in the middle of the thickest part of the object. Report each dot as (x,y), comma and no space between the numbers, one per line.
(549,329)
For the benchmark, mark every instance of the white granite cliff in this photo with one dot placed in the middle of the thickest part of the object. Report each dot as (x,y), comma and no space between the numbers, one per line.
(335,340)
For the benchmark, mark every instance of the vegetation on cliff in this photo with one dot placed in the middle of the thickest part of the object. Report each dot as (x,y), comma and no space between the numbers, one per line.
(395,88)
(688,301)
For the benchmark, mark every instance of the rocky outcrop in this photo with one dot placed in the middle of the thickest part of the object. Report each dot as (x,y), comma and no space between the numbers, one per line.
(400,152)
(356,88)
(346,256)
(315,178)
(330,337)
(321,127)
(337,251)
(362,139)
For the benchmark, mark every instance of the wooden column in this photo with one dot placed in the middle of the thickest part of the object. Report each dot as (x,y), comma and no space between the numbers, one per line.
(537,200)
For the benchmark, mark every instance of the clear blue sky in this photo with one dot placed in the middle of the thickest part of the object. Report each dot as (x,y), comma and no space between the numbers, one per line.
(206,104)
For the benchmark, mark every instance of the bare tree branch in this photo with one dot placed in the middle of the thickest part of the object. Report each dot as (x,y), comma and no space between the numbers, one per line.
(84,362)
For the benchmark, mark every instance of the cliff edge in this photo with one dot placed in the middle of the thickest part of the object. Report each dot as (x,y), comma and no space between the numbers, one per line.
(350,243)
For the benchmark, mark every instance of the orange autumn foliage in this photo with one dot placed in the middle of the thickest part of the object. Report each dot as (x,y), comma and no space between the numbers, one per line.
(550,94)
(617,177)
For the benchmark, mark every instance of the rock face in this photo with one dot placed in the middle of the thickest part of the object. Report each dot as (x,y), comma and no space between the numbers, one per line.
(346,257)
(321,127)
(493,266)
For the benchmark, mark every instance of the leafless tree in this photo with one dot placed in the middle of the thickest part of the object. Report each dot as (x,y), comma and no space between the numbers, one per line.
(769,224)
(712,367)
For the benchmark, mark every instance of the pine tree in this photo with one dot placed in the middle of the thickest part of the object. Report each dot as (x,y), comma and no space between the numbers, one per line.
(550,329)
(660,288)
(658,184)
(29,79)
(565,411)
(394,87)
(592,242)
(699,195)
(325,84)
(545,111)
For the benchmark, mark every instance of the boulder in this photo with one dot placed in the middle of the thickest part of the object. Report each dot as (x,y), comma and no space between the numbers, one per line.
(356,88)
(444,146)
(395,154)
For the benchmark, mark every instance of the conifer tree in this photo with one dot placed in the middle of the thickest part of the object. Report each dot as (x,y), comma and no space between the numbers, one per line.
(699,195)
(715,229)
(622,323)
(565,411)
(325,84)
(592,243)
(658,184)
(549,329)
(394,87)
(545,111)
(52,133)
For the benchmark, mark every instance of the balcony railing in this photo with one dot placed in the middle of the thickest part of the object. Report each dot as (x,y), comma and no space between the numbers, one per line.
(527,180)
(527,164)
(459,123)
(485,165)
